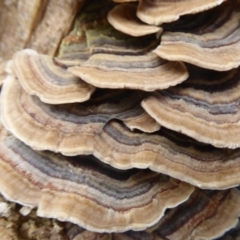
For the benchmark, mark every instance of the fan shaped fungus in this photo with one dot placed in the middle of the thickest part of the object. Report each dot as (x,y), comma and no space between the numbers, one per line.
(68,128)
(205,107)
(40,75)
(213,45)
(160,11)
(123,18)
(85,191)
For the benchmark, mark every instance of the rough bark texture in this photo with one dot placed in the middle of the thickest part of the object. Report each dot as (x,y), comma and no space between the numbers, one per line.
(36,24)
(21,223)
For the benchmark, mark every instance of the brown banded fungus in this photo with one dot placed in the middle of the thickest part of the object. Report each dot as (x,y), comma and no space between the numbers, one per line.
(170,153)
(205,107)
(85,191)
(68,128)
(42,76)
(83,129)
(136,68)
(146,73)
(120,61)
(123,18)
(161,11)
(205,215)
(114,177)
(202,216)
(232,234)
(212,44)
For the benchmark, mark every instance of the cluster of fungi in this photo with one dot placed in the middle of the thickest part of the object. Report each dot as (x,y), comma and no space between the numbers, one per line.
(133,130)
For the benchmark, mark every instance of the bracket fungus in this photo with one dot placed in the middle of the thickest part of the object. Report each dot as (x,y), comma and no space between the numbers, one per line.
(40,75)
(90,143)
(161,11)
(205,107)
(120,61)
(85,129)
(85,191)
(209,215)
(214,44)
(130,62)
(123,18)
(69,129)
(147,72)
(205,219)
(170,153)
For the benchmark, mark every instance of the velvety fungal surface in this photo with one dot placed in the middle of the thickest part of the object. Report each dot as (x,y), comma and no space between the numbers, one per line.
(212,44)
(135,68)
(161,11)
(170,153)
(202,220)
(206,215)
(120,61)
(67,128)
(84,190)
(205,107)
(40,75)
(131,131)
(123,18)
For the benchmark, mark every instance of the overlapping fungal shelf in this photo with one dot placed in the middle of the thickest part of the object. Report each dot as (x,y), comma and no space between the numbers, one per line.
(161,11)
(215,45)
(119,133)
(59,87)
(204,107)
(124,19)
